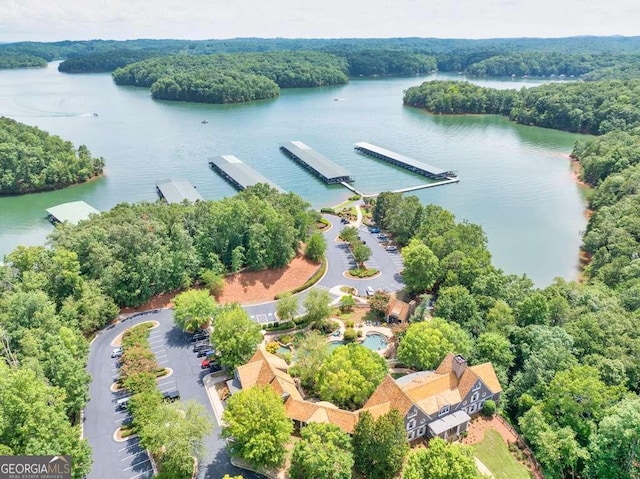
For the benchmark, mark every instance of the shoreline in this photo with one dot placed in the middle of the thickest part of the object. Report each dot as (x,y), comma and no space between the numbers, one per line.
(49,190)
(584,259)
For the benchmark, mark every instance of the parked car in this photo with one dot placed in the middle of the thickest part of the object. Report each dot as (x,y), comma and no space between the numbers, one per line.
(375,230)
(208,362)
(121,404)
(117,352)
(205,352)
(200,346)
(172,395)
(344,221)
(383,237)
(215,367)
(199,336)
(370,291)
(392,249)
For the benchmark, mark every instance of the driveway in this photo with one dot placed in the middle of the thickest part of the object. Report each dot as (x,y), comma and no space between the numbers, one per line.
(340,260)
(127,460)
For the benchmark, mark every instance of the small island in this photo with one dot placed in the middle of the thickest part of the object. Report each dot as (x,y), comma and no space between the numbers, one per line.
(32,160)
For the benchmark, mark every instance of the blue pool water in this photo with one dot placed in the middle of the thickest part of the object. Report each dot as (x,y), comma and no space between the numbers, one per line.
(375,342)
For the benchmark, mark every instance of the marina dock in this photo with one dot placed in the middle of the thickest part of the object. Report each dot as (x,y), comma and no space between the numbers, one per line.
(72,212)
(322,167)
(176,190)
(430,171)
(238,173)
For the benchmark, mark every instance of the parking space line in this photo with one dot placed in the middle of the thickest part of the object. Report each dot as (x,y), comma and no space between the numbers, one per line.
(133,455)
(138,475)
(158,356)
(135,440)
(162,390)
(164,361)
(137,464)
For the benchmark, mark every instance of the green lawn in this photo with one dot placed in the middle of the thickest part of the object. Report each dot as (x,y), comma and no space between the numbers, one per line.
(493,452)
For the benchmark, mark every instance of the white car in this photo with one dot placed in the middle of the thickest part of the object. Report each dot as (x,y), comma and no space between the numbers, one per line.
(116,353)
(370,291)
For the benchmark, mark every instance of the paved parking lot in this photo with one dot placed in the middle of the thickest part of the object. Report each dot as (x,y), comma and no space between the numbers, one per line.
(127,460)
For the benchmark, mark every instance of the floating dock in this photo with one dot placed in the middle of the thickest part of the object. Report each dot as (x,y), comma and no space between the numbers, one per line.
(405,162)
(320,166)
(72,212)
(238,173)
(177,190)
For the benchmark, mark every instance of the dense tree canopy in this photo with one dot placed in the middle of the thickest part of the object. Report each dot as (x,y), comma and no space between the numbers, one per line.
(323,453)
(32,160)
(441,461)
(194,309)
(235,337)
(8,60)
(585,107)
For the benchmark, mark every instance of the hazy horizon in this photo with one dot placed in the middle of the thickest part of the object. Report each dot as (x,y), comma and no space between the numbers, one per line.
(57,20)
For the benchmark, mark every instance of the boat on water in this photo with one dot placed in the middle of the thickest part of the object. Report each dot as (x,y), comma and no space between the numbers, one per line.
(95,115)
(204,122)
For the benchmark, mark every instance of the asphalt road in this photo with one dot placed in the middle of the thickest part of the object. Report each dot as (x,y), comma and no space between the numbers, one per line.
(126,460)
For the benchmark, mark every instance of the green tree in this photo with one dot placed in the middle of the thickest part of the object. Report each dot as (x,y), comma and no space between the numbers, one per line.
(457,304)
(615,447)
(323,453)
(441,461)
(347,303)
(421,267)
(361,253)
(316,247)
(317,304)
(213,281)
(500,318)
(237,258)
(235,337)
(533,310)
(90,308)
(194,309)
(425,344)
(175,435)
(386,202)
(349,234)
(496,349)
(350,375)
(287,307)
(311,353)
(257,426)
(380,445)
(379,303)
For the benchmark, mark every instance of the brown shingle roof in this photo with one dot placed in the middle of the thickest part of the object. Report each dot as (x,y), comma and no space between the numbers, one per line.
(389,391)
(488,375)
(399,309)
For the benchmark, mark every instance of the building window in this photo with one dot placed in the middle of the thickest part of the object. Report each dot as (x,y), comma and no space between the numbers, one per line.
(476,386)
(421,431)
(444,410)
(411,435)
(413,412)
(473,408)
(475,397)
(411,424)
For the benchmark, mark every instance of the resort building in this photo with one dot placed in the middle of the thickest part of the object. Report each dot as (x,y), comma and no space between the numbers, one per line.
(436,403)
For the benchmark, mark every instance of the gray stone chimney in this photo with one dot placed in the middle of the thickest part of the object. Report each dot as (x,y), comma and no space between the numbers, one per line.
(459,365)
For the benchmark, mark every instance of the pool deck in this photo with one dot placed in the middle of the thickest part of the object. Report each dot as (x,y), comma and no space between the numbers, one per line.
(366,330)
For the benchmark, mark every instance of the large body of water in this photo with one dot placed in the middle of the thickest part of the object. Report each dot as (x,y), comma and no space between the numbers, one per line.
(515,180)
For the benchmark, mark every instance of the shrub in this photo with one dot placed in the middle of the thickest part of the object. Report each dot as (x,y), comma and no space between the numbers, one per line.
(326,326)
(354,198)
(281,326)
(359,333)
(350,335)
(363,273)
(286,339)
(140,382)
(137,335)
(310,282)
(329,211)
(489,408)
(288,357)
(349,323)
(272,347)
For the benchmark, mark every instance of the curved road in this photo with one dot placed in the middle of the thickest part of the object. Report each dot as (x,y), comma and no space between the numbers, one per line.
(172,348)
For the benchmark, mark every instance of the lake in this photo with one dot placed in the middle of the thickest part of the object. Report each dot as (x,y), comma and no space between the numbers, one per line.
(515,180)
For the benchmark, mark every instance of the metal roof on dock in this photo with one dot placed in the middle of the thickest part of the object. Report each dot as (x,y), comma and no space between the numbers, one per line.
(176,190)
(238,172)
(73,212)
(319,164)
(368,147)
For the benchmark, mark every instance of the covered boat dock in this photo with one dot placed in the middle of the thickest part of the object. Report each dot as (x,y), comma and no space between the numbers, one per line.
(176,190)
(319,165)
(405,162)
(72,212)
(238,173)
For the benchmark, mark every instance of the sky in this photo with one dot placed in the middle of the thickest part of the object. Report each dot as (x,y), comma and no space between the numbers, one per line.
(52,20)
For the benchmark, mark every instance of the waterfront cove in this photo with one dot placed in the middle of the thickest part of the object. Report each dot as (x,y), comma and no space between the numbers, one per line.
(515,180)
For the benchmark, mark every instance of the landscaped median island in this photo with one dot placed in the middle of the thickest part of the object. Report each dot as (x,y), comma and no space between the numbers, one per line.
(173,433)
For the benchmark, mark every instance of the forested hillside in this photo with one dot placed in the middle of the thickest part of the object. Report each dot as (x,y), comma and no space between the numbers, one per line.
(230,78)
(21,61)
(32,160)
(585,107)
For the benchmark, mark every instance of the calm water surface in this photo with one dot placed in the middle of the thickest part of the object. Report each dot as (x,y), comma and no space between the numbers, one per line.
(515,180)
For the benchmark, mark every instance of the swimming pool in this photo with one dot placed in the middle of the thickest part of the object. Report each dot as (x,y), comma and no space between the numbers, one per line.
(375,342)
(334,344)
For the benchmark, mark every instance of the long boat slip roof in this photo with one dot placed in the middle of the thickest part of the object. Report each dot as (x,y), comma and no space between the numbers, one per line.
(176,190)
(401,158)
(240,172)
(73,212)
(315,160)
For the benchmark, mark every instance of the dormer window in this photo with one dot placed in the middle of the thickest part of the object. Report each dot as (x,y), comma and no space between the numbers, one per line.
(413,412)
(476,386)
(445,409)
(475,396)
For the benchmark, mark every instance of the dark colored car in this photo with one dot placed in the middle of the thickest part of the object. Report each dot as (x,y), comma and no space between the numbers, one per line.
(375,229)
(215,367)
(199,336)
(197,347)
(172,395)
(344,221)
(205,352)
